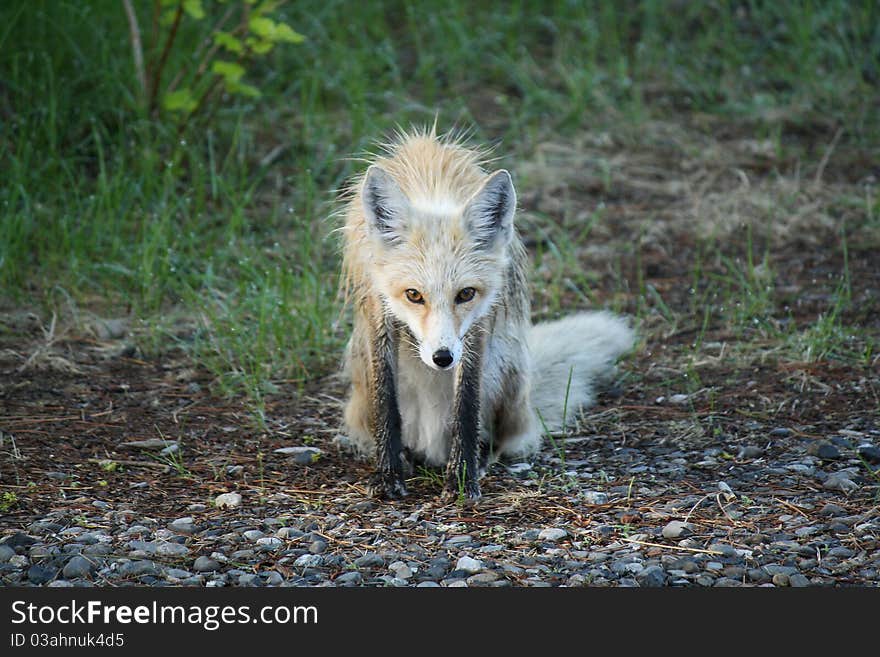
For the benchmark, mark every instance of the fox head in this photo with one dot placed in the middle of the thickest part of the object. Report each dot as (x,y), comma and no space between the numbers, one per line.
(438,265)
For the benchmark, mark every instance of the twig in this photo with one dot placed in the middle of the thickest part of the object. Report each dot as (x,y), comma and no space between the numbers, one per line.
(671,547)
(157,75)
(136,46)
(817,180)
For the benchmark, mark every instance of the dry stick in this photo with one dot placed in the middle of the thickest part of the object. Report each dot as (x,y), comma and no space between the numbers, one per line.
(817,180)
(671,547)
(157,76)
(136,46)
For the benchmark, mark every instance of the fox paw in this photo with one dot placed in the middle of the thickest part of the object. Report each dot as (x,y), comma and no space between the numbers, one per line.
(467,494)
(387,486)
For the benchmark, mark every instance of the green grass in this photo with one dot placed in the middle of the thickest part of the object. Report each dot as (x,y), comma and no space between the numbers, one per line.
(121,214)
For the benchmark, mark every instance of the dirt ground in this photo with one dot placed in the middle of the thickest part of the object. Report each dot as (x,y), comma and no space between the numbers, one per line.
(725,427)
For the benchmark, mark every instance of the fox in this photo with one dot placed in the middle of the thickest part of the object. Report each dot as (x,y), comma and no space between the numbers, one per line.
(443,363)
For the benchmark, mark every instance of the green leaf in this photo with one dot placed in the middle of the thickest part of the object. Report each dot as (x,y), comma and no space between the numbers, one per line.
(194,9)
(230,71)
(243,89)
(179,101)
(259,46)
(283,32)
(229,42)
(262,27)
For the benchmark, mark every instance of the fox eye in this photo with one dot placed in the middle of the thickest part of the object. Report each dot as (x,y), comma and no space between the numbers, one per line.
(464,295)
(414,296)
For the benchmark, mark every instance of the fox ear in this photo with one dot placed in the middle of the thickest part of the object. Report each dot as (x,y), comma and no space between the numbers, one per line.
(385,205)
(489,213)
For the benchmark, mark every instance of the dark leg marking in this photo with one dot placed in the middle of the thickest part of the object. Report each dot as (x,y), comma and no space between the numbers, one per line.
(387,482)
(462,471)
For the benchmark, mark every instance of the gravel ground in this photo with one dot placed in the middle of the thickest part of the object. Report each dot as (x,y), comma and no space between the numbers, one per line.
(770,507)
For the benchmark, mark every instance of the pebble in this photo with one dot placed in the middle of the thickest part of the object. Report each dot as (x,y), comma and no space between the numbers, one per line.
(840,482)
(205,564)
(309,561)
(270,542)
(369,560)
(78,566)
(799,580)
(824,450)
(870,453)
(652,576)
(138,568)
(750,452)
(401,570)
(227,501)
(469,565)
(677,529)
(353,578)
(780,579)
(183,525)
(552,534)
(427,584)
(301,455)
(40,574)
(168,549)
(6,553)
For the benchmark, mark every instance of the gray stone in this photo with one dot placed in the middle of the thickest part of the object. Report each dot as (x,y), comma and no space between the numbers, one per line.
(249,579)
(270,543)
(39,574)
(369,560)
(823,450)
(183,525)
(177,573)
(169,549)
(677,529)
(428,584)
(150,443)
(401,570)
(594,497)
(227,501)
(840,552)
(6,553)
(552,534)
(839,481)
(78,566)
(652,576)
(870,453)
(318,547)
(780,579)
(138,568)
(750,452)
(205,564)
(253,534)
(274,578)
(798,580)
(301,455)
(469,565)
(777,569)
(353,578)
(289,533)
(309,561)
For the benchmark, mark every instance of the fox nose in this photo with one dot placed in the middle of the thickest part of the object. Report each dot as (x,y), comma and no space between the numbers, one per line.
(442,358)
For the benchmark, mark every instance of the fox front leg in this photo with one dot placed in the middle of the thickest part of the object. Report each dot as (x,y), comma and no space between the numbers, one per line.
(462,470)
(387,482)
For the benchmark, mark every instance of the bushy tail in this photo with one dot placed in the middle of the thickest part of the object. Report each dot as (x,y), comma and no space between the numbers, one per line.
(584,346)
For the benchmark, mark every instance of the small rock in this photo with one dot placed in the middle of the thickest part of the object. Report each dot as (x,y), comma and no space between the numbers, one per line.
(552,534)
(652,576)
(780,579)
(401,570)
(870,453)
(594,497)
(469,565)
(301,454)
(369,560)
(353,578)
(823,450)
(270,542)
(77,567)
(677,529)
(227,500)
(780,432)
(19,540)
(6,553)
(274,578)
(173,448)
(168,549)
(249,579)
(289,533)
(798,580)
(832,510)
(750,452)
(482,579)
(253,534)
(39,574)
(183,525)
(138,568)
(678,399)
(318,547)
(198,507)
(205,564)
(839,481)
(519,469)
(309,561)
(427,584)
